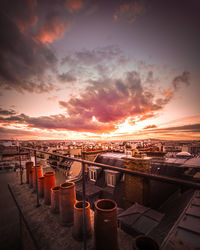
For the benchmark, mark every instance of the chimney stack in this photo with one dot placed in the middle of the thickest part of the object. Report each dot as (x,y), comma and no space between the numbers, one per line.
(137,189)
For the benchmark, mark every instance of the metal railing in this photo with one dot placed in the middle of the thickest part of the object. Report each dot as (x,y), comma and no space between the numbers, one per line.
(166,179)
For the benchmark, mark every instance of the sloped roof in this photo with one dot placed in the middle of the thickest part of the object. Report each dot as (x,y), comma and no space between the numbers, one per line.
(141,219)
(186,231)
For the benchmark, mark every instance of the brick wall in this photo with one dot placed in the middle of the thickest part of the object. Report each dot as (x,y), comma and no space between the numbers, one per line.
(137,189)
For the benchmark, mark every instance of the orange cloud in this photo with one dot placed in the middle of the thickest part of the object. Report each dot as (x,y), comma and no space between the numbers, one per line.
(23,26)
(52,30)
(74,5)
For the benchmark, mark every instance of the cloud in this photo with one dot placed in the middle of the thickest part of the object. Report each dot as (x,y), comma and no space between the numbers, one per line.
(7,112)
(66,77)
(27,29)
(112,101)
(58,122)
(23,61)
(22,13)
(184,78)
(6,133)
(150,126)
(52,30)
(92,57)
(74,5)
(129,11)
(187,128)
(101,107)
(178,81)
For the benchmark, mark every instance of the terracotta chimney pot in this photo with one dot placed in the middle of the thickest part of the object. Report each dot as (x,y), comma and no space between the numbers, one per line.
(41,186)
(49,182)
(29,165)
(143,242)
(105,225)
(55,193)
(31,178)
(78,220)
(66,203)
(39,174)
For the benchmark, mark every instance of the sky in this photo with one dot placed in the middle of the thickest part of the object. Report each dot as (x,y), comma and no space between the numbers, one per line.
(96,69)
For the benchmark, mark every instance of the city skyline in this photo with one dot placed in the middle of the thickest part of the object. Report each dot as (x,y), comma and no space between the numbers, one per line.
(96,70)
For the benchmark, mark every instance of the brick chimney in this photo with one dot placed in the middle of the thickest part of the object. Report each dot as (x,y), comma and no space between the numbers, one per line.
(137,189)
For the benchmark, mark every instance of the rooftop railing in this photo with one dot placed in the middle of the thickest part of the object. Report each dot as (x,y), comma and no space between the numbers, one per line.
(165,179)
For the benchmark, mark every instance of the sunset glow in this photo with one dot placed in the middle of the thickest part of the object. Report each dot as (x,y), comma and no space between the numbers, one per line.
(88,70)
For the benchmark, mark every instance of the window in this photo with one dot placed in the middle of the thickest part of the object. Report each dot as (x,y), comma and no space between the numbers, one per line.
(93,172)
(111,180)
(92,175)
(111,177)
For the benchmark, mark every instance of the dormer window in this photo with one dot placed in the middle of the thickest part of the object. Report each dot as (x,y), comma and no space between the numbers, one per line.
(93,173)
(111,177)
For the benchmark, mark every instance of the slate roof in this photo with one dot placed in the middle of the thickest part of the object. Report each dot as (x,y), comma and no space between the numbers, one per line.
(186,231)
(141,219)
